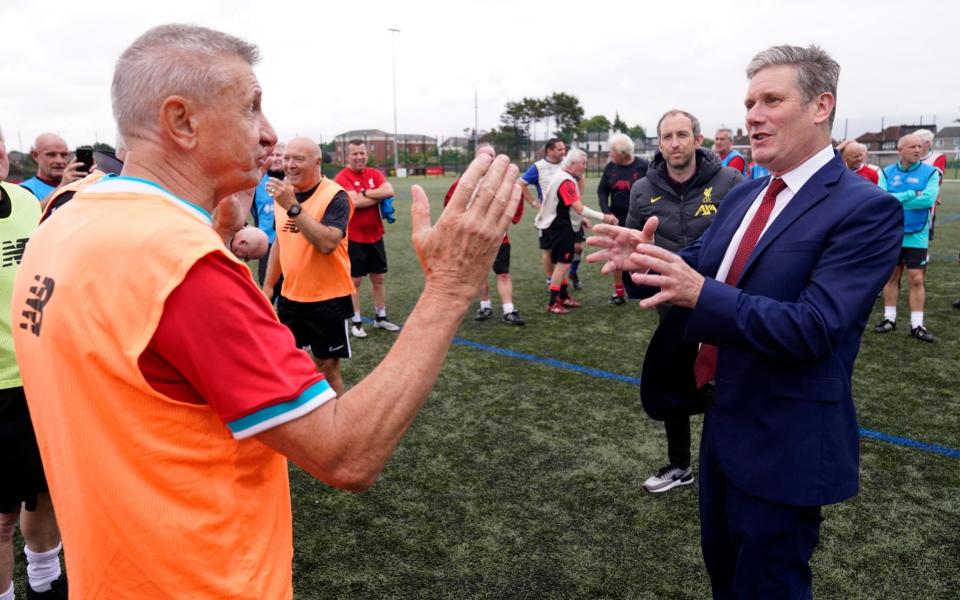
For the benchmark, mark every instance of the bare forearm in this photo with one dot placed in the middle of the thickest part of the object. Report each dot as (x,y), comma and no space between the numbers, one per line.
(273,269)
(384,191)
(323,237)
(388,400)
(361,201)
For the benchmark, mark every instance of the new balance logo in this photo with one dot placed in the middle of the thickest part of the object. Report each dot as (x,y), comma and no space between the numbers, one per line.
(42,292)
(12,251)
(290,227)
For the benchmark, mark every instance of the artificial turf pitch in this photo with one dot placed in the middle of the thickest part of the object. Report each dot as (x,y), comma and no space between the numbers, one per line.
(522,479)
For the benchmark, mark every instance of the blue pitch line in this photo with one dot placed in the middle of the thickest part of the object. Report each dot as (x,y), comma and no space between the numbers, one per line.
(867,433)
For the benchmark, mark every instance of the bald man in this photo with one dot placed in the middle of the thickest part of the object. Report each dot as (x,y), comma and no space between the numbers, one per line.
(310,250)
(855,156)
(54,167)
(916,185)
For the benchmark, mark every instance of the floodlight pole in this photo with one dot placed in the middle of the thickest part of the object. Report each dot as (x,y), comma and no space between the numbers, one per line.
(393,46)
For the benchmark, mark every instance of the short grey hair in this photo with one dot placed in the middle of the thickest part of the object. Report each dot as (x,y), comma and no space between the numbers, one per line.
(573,155)
(622,144)
(725,130)
(817,72)
(170,60)
(925,135)
(676,111)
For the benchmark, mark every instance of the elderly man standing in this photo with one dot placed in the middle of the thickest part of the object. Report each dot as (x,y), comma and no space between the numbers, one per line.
(367,188)
(262,207)
(937,160)
(24,494)
(778,290)
(311,252)
(623,170)
(178,395)
(54,167)
(560,220)
(916,185)
(723,148)
(683,190)
(855,156)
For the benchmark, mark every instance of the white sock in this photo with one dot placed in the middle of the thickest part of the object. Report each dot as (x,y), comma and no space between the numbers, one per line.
(42,567)
(356,318)
(382,312)
(507,308)
(8,595)
(890,313)
(486,304)
(916,319)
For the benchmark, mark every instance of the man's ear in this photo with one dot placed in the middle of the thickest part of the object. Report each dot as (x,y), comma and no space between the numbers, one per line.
(178,121)
(698,140)
(823,106)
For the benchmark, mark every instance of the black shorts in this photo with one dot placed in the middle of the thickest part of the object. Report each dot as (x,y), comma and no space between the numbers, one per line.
(501,265)
(367,258)
(913,258)
(580,235)
(20,468)
(323,326)
(542,239)
(560,241)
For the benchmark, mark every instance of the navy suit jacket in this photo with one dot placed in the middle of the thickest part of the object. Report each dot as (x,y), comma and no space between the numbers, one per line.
(782,423)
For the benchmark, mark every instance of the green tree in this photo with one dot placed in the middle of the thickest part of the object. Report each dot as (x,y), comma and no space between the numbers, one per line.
(596,124)
(568,113)
(636,132)
(618,124)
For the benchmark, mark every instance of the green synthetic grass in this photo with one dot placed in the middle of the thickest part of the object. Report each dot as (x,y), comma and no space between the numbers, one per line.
(522,480)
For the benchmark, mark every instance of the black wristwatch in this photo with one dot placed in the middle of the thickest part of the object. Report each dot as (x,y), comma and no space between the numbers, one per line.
(294,210)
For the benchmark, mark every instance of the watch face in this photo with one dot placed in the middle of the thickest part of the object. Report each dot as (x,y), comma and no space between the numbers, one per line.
(294,210)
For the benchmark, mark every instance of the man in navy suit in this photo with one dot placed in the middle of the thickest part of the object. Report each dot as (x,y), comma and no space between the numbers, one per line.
(777,291)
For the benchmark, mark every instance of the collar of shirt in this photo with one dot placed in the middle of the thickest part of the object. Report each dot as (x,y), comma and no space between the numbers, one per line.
(795,179)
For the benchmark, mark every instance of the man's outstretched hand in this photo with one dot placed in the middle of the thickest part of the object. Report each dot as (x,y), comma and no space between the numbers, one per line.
(458,251)
(618,245)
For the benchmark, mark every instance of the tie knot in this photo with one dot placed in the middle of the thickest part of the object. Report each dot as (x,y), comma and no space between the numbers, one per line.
(777,185)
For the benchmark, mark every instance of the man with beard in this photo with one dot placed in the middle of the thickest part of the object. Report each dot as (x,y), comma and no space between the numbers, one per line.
(682,188)
(614,192)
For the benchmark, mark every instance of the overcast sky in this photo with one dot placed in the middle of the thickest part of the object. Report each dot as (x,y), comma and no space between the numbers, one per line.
(326,66)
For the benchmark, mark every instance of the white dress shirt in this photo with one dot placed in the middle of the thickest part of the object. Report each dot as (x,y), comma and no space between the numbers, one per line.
(795,180)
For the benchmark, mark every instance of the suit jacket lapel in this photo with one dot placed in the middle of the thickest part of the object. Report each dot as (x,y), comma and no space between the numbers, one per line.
(813,192)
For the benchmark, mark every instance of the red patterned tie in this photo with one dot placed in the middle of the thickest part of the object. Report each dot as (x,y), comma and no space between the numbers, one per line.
(705,366)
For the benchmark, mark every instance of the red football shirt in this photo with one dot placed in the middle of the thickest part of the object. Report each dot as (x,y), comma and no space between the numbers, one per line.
(233,355)
(869,174)
(365,225)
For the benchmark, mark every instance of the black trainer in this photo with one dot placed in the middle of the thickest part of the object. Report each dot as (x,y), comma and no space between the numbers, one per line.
(616,300)
(513,318)
(956,304)
(483,314)
(57,591)
(575,280)
(920,332)
(885,326)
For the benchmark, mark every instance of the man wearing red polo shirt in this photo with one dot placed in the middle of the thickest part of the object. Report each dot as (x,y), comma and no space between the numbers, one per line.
(367,188)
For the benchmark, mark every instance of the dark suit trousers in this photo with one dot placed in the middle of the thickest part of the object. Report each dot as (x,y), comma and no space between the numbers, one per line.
(678,428)
(753,548)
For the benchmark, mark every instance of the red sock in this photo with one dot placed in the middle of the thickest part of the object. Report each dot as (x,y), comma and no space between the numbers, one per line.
(618,290)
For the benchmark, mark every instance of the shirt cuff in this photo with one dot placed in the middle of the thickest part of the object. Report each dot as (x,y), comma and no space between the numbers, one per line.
(266,418)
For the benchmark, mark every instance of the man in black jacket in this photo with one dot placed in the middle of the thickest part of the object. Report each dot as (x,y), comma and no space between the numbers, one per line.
(683,188)
(623,170)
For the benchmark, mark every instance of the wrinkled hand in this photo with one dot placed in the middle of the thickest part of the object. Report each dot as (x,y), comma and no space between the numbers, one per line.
(610,219)
(74,172)
(282,192)
(618,244)
(458,251)
(679,283)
